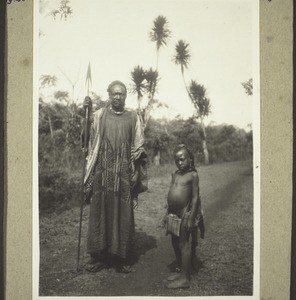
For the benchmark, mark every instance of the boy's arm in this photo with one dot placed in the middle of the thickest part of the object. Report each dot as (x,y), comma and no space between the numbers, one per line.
(166,206)
(195,204)
(172,181)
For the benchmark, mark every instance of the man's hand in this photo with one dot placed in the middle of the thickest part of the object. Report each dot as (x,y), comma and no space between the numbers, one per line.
(87,103)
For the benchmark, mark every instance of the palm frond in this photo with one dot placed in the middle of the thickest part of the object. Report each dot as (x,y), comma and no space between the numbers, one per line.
(198,96)
(198,91)
(182,54)
(160,32)
(152,79)
(138,77)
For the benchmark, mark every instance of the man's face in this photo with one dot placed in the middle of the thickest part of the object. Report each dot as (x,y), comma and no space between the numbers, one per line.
(117,97)
(182,160)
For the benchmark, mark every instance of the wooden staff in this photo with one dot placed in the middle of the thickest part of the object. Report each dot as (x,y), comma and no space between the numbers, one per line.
(85,140)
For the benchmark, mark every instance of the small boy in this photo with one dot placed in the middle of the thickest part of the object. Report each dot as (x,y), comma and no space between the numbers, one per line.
(183,215)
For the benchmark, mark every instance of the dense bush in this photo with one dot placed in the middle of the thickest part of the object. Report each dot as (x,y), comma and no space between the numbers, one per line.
(61,158)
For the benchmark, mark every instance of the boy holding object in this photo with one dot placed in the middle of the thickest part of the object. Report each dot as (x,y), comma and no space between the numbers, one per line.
(183,215)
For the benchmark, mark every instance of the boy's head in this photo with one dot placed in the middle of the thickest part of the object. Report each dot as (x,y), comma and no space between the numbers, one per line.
(184,158)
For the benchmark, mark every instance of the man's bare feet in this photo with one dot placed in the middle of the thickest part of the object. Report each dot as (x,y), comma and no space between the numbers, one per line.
(175,266)
(180,283)
(94,267)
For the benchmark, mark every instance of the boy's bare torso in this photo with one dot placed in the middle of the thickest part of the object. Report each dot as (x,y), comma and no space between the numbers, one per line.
(180,193)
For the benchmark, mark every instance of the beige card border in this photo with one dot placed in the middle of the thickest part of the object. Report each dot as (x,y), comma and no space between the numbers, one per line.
(276,149)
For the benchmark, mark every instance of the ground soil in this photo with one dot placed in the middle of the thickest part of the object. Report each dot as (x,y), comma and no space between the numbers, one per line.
(226,251)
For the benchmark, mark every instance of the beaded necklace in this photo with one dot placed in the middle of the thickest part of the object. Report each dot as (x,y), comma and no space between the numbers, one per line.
(117,112)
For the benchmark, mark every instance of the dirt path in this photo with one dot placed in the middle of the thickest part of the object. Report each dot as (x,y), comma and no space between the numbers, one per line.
(227,251)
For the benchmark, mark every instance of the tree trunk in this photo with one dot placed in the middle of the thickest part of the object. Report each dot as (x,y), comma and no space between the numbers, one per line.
(52,136)
(50,126)
(156,159)
(205,151)
(157,59)
(204,142)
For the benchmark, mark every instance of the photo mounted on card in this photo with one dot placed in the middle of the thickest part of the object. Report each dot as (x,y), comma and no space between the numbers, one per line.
(146,138)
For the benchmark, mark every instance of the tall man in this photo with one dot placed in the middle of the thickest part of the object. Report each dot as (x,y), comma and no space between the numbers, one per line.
(115,175)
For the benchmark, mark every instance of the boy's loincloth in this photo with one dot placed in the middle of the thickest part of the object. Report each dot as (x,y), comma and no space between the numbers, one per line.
(173,224)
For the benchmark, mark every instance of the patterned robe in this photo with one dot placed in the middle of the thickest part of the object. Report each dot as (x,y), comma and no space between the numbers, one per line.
(116,143)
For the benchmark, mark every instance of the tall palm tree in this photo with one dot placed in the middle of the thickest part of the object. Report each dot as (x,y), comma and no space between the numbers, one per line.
(145,82)
(138,79)
(160,34)
(182,57)
(202,104)
(152,79)
(196,92)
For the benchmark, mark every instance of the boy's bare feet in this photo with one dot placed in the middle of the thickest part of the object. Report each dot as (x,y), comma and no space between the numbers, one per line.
(123,268)
(180,283)
(196,263)
(174,277)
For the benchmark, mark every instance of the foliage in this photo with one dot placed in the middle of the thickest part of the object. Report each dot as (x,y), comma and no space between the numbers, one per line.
(160,32)
(61,158)
(138,76)
(48,80)
(64,10)
(144,83)
(225,142)
(198,96)
(182,55)
(248,86)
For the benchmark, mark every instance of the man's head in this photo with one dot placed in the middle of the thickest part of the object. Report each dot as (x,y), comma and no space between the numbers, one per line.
(117,95)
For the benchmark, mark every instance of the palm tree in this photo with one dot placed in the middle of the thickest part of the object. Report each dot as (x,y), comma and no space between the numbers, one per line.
(202,104)
(160,34)
(196,92)
(138,78)
(182,57)
(144,82)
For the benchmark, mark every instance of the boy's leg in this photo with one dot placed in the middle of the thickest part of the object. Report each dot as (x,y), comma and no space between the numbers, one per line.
(196,262)
(193,241)
(176,265)
(183,281)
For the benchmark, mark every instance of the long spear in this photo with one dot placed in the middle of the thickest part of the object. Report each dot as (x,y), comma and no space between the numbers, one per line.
(85,129)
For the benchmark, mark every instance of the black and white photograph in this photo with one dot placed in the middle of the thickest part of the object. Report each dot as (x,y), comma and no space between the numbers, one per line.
(147,154)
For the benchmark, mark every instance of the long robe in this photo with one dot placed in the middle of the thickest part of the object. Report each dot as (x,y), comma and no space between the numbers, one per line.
(116,144)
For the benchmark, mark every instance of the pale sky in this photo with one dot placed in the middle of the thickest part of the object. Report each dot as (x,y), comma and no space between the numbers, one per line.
(113,37)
